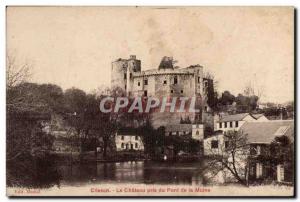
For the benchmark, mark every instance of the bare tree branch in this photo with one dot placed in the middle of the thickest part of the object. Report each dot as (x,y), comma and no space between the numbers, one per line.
(232,157)
(16,73)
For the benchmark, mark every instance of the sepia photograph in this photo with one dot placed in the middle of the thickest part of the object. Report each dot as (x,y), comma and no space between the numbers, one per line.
(162,101)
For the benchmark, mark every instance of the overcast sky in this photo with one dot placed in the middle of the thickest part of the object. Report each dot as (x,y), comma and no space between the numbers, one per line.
(74,46)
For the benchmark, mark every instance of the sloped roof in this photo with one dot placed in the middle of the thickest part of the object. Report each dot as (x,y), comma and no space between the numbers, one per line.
(265,132)
(178,127)
(257,116)
(234,117)
(127,132)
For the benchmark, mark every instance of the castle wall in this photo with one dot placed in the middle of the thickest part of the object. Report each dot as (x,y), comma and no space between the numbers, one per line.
(150,87)
(160,83)
(162,89)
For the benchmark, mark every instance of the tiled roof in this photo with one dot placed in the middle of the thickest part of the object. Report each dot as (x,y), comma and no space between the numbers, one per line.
(257,116)
(127,132)
(178,127)
(265,132)
(233,117)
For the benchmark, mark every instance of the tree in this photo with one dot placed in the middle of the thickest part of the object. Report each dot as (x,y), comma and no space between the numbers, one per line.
(211,76)
(246,103)
(231,156)
(212,94)
(174,142)
(75,100)
(32,96)
(153,139)
(89,121)
(28,158)
(82,114)
(52,95)
(110,122)
(282,152)
(253,94)
(227,98)
(251,90)
(28,106)
(16,73)
(193,146)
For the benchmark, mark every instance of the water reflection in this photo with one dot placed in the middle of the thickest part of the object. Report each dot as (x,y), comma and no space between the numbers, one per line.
(132,172)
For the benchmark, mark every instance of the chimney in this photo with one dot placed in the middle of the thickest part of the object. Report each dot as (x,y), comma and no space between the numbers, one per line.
(133,57)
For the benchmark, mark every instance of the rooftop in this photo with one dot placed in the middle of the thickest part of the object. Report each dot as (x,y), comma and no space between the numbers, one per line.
(257,116)
(178,127)
(265,132)
(234,117)
(127,132)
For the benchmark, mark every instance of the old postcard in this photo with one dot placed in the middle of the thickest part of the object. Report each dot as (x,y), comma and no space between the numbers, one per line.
(150,101)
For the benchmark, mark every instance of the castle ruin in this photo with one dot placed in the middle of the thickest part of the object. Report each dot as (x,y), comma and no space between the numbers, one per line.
(166,80)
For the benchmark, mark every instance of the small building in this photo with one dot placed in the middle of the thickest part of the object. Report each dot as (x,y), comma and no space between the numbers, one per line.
(259,138)
(64,139)
(198,132)
(215,144)
(65,144)
(260,117)
(128,139)
(195,131)
(262,106)
(178,129)
(233,122)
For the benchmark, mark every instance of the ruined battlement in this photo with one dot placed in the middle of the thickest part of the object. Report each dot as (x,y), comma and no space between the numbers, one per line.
(179,71)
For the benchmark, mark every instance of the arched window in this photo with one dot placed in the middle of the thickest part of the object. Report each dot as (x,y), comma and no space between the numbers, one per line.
(197,132)
(122,145)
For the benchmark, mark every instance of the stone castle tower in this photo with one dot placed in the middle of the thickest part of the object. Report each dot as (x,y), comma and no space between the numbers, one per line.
(122,71)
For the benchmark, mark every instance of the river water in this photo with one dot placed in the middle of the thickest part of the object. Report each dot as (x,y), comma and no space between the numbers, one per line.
(136,172)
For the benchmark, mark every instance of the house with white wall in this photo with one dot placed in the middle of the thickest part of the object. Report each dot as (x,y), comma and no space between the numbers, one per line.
(259,135)
(128,139)
(195,131)
(215,144)
(233,122)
